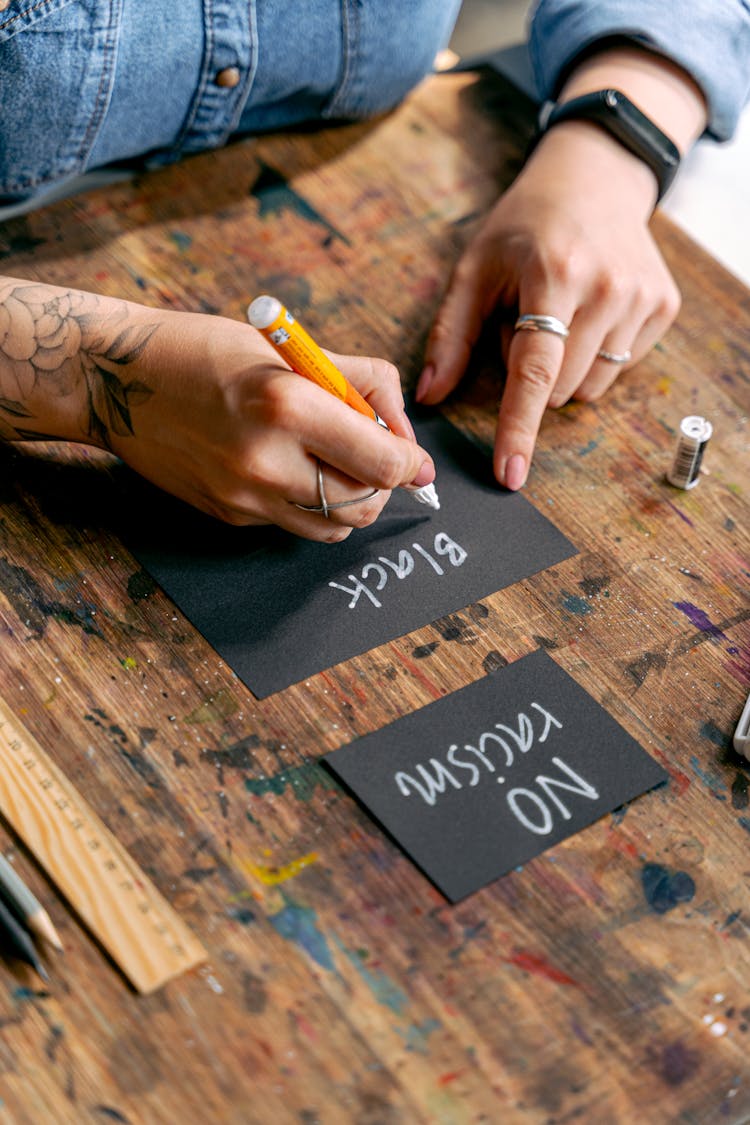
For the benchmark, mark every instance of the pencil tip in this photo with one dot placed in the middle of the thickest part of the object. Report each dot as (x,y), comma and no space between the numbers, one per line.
(41,924)
(52,936)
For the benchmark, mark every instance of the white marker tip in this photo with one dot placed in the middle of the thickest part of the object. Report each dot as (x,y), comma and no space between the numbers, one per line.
(427,495)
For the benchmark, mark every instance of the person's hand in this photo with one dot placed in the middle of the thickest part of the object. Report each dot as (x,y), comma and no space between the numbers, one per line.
(569,239)
(231,430)
(203,407)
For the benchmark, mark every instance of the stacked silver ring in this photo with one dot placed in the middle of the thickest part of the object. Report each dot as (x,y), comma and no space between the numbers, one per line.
(535,322)
(324,506)
(530,322)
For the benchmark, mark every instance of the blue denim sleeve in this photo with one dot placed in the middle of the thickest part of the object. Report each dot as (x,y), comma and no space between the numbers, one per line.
(710,39)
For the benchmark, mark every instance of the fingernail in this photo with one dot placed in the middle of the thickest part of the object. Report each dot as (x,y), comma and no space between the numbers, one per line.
(423,385)
(515,472)
(426,474)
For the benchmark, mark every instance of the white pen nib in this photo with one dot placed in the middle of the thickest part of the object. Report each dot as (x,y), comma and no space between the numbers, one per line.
(428,496)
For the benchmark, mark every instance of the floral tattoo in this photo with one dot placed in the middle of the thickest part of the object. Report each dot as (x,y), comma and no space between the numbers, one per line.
(52,344)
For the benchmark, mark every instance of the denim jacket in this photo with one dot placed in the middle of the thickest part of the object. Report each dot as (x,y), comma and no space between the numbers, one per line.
(84,83)
(710,39)
(87,82)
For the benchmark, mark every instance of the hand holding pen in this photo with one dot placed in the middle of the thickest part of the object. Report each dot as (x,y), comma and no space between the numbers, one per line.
(303,355)
(208,412)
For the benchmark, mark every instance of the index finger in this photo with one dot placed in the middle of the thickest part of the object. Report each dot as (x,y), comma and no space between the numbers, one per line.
(534,362)
(379,382)
(357,446)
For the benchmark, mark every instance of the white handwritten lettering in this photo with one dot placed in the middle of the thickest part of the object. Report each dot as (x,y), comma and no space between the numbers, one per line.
(488,744)
(523,738)
(445,546)
(405,565)
(435,566)
(490,734)
(454,761)
(551,721)
(355,591)
(582,788)
(479,751)
(379,570)
(542,829)
(432,785)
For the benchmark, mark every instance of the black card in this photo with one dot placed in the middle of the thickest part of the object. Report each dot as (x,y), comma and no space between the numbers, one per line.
(278,608)
(485,779)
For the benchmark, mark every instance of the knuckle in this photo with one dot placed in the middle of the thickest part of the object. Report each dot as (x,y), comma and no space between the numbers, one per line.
(441,332)
(644,301)
(235,518)
(389,375)
(228,512)
(335,534)
(388,472)
(255,467)
(589,394)
(279,407)
(465,271)
(562,265)
(671,302)
(611,286)
(534,373)
(370,512)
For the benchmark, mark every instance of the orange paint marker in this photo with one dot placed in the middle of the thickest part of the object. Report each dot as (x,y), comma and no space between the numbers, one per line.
(303,355)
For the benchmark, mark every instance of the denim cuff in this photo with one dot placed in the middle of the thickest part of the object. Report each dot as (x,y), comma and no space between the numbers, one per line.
(711,42)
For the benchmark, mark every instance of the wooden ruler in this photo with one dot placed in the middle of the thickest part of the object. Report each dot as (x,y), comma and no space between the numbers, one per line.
(118,903)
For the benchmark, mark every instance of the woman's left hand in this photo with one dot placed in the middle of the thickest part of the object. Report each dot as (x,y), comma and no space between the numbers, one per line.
(569,239)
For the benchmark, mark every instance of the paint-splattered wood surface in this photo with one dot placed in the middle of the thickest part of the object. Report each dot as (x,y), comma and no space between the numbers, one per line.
(608,980)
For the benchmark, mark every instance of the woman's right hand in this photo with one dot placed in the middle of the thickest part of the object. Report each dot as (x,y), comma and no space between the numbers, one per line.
(203,407)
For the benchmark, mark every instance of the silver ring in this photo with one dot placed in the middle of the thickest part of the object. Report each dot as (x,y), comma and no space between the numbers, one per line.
(324,506)
(614,357)
(530,322)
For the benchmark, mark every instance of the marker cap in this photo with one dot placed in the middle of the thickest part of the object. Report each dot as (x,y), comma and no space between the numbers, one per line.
(263,311)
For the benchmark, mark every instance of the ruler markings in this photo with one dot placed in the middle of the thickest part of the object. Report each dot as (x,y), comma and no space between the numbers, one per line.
(115,899)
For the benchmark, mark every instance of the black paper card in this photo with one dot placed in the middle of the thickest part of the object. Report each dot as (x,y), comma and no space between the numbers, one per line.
(485,779)
(278,608)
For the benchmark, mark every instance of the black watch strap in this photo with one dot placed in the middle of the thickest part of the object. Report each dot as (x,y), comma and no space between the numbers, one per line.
(617,115)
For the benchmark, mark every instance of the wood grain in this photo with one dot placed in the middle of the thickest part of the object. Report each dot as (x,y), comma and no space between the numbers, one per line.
(340,986)
(118,904)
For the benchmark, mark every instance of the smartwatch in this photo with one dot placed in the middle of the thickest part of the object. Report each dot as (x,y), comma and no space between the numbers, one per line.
(616,115)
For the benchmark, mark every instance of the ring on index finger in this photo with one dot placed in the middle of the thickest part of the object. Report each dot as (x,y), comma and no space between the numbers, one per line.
(324,505)
(532,322)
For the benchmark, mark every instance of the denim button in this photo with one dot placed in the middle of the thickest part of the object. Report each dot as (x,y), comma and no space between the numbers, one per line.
(228,78)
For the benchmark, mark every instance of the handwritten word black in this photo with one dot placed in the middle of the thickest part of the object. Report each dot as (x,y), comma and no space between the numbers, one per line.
(443,546)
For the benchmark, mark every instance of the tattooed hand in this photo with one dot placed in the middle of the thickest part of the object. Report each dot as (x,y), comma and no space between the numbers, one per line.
(203,407)
(53,345)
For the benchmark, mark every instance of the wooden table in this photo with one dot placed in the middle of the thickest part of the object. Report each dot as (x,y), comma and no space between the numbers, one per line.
(589,985)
